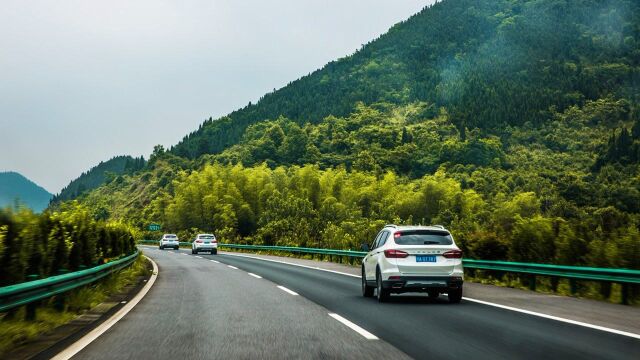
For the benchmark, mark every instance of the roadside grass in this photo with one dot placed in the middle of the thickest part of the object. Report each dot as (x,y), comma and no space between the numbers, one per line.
(14,330)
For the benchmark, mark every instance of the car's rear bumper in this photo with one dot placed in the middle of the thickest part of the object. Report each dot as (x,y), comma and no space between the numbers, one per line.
(206,247)
(423,283)
(170,245)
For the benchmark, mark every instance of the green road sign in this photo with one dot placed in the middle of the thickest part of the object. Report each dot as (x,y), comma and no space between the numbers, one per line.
(154,227)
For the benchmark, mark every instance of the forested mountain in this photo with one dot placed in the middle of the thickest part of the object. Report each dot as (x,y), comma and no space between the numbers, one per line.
(17,189)
(491,64)
(516,124)
(105,171)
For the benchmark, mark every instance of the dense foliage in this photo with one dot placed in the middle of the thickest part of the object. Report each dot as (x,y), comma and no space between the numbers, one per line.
(48,243)
(104,172)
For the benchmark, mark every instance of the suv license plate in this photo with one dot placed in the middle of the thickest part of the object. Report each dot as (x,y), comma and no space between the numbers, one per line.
(425,258)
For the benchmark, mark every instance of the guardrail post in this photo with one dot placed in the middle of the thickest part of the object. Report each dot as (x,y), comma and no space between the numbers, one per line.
(573,286)
(625,294)
(532,283)
(605,289)
(30,311)
(554,283)
(60,302)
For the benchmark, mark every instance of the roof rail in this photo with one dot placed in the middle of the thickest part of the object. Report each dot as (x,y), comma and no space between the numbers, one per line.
(439,226)
(391,225)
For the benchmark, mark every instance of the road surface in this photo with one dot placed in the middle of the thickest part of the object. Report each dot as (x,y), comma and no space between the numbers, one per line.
(227,307)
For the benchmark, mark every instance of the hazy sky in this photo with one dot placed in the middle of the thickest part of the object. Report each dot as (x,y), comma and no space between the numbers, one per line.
(83,81)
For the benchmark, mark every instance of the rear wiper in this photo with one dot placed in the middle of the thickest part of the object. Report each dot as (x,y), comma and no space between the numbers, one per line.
(431,242)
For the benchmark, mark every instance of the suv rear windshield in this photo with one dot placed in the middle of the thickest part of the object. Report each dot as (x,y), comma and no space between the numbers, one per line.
(206,237)
(423,237)
(170,236)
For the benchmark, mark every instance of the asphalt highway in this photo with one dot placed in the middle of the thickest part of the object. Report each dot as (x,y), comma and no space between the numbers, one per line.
(199,309)
(240,307)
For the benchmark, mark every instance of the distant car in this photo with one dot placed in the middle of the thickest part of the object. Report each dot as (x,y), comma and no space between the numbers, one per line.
(204,242)
(412,259)
(169,241)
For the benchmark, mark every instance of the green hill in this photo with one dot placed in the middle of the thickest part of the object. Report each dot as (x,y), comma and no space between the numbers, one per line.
(98,175)
(516,124)
(489,64)
(15,188)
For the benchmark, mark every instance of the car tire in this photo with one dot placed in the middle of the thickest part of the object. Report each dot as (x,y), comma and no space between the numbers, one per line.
(383,294)
(367,291)
(455,296)
(193,251)
(161,248)
(214,252)
(177,248)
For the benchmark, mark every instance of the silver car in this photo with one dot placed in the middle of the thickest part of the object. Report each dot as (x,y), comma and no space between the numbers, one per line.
(413,259)
(169,241)
(204,242)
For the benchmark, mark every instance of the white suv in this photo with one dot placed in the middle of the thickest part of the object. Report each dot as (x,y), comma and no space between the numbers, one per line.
(413,259)
(169,240)
(204,242)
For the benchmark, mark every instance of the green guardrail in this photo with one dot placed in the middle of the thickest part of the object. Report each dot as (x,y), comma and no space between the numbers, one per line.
(300,250)
(29,292)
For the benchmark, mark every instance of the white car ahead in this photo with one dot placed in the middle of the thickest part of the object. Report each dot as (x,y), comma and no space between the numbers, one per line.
(169,240)
(205,242)
(412,259)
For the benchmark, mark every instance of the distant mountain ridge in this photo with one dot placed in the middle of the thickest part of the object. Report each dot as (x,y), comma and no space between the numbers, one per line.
(15,188)
(99,175)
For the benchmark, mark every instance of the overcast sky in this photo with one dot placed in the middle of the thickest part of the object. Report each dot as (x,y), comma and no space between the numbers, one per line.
(83,81)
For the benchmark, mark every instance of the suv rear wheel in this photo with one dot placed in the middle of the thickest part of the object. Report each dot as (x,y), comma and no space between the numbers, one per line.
(455,296)
(367,291)
(383,294)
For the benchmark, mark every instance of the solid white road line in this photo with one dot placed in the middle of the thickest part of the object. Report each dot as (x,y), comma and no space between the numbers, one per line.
(556,318)
(293,264)
(233,267)
(215,261)
(102,328)
(255,276)
(528,312)
(291,292)
(367,335)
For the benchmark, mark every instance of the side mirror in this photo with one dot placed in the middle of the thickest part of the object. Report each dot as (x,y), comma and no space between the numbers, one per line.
(365,247)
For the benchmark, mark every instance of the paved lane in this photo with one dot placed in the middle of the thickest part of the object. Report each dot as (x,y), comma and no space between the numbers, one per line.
(199,309)
(435,329)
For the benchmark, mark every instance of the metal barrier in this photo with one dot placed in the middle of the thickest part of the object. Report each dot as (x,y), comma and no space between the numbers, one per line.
(625,277)
(25,293)
(300,250)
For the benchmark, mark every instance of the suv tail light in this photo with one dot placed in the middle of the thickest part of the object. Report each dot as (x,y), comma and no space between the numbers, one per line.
(198,241)
(391,253)
(452,254)
(214,241)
